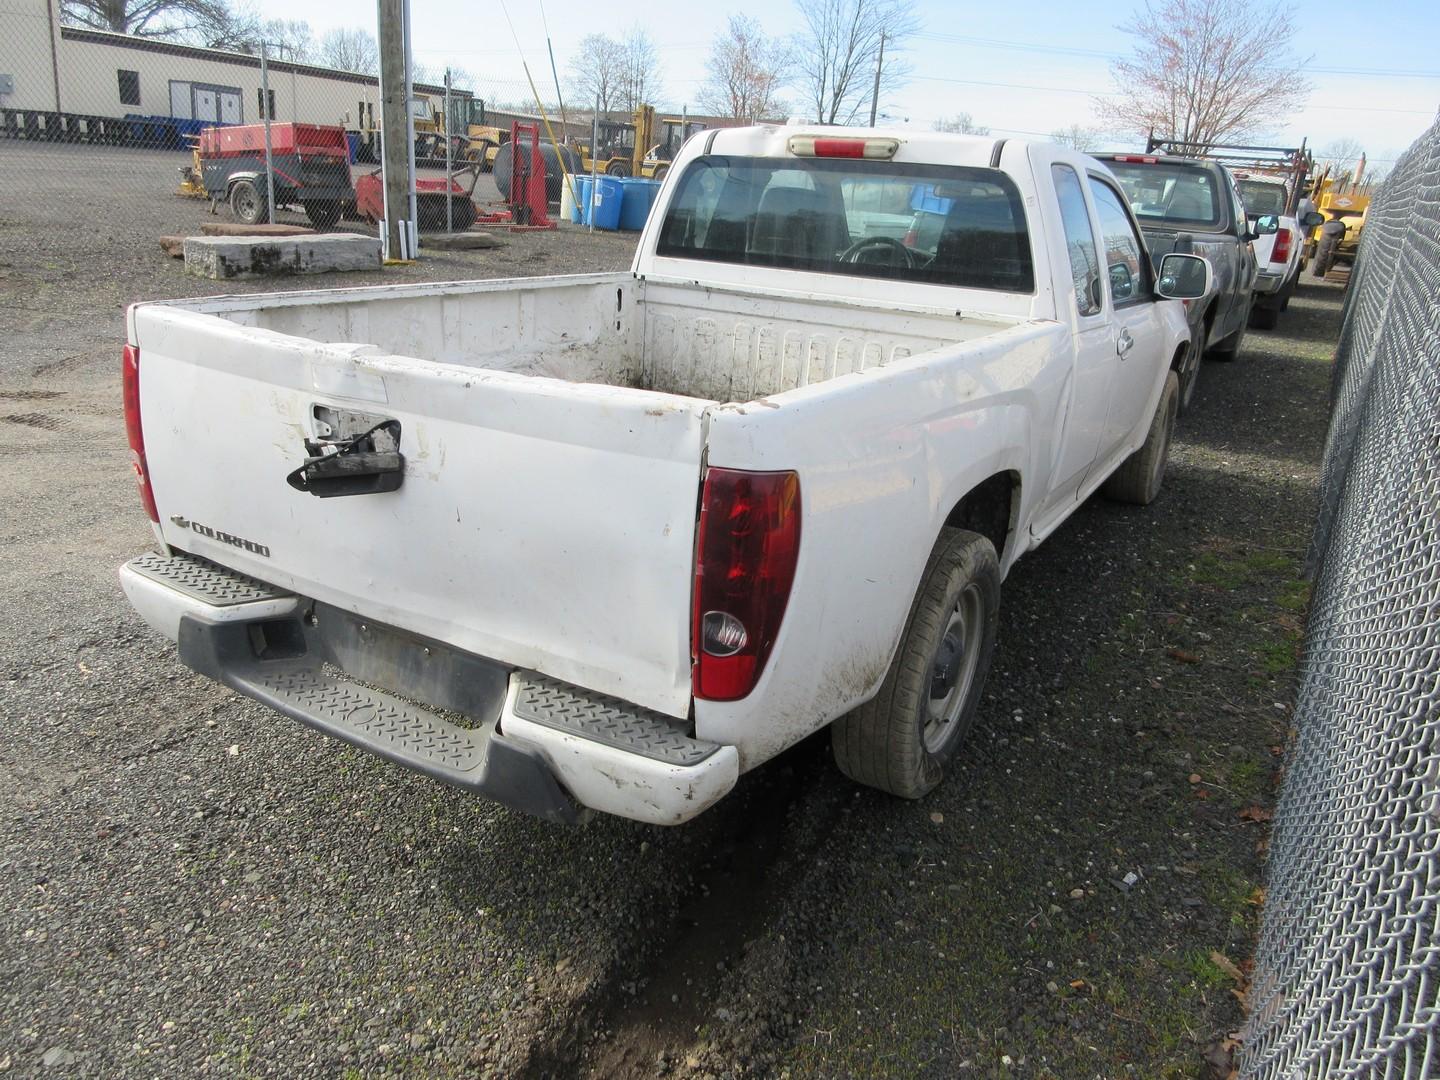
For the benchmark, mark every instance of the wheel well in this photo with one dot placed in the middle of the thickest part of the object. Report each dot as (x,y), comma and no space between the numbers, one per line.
(1178,360)
(990,509)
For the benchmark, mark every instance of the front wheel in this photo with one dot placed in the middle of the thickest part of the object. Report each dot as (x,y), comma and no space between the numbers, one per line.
(901,740)
(617,169)
(1139,476)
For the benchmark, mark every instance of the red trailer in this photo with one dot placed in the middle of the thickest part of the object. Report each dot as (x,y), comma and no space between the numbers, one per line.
(311,164)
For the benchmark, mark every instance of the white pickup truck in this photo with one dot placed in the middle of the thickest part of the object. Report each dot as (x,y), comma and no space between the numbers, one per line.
(608,541)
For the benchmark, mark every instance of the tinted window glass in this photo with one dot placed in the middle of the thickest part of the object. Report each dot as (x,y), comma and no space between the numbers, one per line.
(926,223)
(1079,239)
(1124,254)
(1179,194)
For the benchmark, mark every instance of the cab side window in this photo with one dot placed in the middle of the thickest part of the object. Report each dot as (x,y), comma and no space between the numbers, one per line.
(1079,239)
(1124,252)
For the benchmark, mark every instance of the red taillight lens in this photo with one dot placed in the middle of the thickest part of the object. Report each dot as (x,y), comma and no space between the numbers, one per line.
(747,545)
(1281,251)
(130,391)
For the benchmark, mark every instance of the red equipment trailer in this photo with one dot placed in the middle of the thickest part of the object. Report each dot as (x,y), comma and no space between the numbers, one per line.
(311,164)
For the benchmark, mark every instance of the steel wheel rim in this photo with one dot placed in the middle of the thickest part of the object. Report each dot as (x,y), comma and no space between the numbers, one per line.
(246,202)
(952,669)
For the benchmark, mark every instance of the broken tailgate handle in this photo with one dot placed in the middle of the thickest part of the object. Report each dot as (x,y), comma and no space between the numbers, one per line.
(351,466)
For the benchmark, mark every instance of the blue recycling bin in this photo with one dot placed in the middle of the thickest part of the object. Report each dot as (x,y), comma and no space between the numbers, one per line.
(638,197)
(583,187)
(604,203)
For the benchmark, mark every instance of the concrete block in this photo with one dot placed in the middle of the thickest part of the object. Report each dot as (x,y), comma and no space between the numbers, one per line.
(223,257)
(460,241)
(234,228)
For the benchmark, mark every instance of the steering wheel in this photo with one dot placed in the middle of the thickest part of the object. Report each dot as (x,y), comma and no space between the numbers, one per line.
(852,253)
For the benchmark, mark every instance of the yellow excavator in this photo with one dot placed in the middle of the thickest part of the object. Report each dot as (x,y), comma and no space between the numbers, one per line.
(1346,202)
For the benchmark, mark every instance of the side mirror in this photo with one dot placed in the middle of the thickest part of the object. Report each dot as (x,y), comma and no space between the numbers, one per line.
(1267,225)
(1311,220)
(1184,277)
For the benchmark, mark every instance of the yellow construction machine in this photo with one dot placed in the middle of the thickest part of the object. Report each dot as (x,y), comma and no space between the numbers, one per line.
(642,146)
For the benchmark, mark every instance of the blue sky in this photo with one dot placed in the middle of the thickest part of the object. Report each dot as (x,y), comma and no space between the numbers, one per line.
(1024,66)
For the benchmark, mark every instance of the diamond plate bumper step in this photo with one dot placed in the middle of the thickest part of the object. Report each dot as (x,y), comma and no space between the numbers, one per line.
(203,580)
(609,721)
(477,759)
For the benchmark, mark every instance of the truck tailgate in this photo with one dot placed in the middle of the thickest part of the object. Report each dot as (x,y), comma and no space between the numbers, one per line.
(544,524)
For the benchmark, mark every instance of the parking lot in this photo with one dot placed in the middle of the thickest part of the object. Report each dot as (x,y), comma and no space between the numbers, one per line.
(194,885)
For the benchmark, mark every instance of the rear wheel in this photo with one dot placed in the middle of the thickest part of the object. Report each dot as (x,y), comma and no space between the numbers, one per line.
(901,740)
(617,168)
(1228,349)
(1139,477)
(1265,316)
(662,171)
(247,202)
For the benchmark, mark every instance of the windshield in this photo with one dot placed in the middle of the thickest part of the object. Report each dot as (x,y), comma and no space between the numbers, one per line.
(1262,198)
(1178,194)
(940,225)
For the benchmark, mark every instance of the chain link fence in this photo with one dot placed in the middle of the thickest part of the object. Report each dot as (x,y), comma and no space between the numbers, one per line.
(1347,975)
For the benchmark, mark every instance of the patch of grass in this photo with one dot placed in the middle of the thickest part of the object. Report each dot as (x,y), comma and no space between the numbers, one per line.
(1246,779)
(1228,565)
(1279,657)
(1205,973)
(1294,596)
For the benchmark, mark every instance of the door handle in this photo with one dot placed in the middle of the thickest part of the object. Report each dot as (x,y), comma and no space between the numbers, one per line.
(1125,342)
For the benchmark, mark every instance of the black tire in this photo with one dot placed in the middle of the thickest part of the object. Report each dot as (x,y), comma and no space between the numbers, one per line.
(1324,256)
(1265,316)
(1229,349)
(619,169)
(662,171)
(323,213)
(895,742)
(552,168)
(1140,476)
(247,202)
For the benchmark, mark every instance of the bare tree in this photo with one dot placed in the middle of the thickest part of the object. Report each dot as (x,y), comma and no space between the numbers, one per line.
(207,22)
(1207,70)
(597,71)
(289,40)
(639,70)
(839,49)
(351,49)
(745,72)
(1079,137)
(961,124)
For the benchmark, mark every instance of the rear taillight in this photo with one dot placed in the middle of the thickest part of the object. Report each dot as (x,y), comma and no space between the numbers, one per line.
(1137,159)
(1281,251)
(130,391)
(747,545)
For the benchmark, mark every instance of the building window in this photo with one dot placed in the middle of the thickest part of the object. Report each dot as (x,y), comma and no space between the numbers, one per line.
(129,87)
(260,103)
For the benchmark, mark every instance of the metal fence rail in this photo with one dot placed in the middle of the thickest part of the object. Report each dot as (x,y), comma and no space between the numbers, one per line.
(1347,975)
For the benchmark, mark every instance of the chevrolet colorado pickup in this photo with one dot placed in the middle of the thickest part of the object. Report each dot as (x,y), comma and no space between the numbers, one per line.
(604,542)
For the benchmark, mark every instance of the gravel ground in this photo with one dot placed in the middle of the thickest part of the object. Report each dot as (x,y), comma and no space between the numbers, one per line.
(192,885)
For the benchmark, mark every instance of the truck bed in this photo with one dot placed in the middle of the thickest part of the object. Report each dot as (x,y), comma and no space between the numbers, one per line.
(612,329)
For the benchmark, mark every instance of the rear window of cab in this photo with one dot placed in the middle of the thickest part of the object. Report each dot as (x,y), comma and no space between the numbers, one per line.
(931,224)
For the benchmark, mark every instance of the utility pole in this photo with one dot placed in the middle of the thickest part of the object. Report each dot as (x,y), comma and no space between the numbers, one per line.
(269,155)
(879,66)
(394,124)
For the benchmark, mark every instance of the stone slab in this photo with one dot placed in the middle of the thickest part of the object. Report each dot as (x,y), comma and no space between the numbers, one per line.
(234,228)
(462,241)
(174,246)
(223,257)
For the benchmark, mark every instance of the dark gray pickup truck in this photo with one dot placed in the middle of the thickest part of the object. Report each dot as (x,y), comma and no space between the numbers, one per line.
(1191,205)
